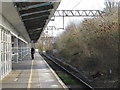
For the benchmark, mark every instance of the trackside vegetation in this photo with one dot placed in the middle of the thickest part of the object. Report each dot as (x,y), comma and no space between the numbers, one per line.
(92,46)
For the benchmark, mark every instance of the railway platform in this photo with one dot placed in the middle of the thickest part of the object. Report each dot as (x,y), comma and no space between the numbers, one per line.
(32,74)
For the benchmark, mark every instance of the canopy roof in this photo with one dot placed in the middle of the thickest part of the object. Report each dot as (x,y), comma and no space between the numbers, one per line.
(36,16)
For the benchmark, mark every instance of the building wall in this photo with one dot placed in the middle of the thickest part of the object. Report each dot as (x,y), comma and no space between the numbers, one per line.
(6,31)
(5,47)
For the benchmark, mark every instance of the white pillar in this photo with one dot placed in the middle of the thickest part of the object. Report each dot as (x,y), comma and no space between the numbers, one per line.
(0,59)
(28,48)
(20,50)
(32,44)
(16,49)
(0,48)
(10,54)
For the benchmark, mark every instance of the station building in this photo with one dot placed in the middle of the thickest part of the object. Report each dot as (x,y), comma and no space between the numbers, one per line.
(21,24)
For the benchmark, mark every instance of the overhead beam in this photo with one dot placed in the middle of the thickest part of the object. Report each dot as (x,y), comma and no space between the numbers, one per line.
(24,4)
(36,15)
(29,5)
(34,26)
(35,32)
(50,28)
(36,9)
(36,18)
(32,30)
(78,13)
(34,22)
(35,36)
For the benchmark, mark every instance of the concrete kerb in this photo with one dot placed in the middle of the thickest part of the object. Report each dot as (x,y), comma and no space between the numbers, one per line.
(59,80)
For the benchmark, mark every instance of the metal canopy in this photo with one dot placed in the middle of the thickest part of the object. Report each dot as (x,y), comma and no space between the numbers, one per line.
(35,15)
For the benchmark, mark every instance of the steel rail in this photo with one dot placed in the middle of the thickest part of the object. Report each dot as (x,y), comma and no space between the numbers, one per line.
(89,86)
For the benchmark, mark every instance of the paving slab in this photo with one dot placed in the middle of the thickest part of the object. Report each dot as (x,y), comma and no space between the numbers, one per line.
(32,74)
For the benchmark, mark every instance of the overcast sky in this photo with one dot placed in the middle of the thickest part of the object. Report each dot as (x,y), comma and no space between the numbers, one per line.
(75,5)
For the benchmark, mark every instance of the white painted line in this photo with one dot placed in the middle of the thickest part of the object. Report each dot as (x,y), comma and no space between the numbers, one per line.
(59,80)
(16,79)
(30,77)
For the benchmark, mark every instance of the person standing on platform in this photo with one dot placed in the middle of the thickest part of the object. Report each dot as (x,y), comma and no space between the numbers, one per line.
(32,52)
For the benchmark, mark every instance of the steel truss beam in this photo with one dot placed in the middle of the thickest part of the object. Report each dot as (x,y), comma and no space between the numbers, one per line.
(51,28)
(78,13)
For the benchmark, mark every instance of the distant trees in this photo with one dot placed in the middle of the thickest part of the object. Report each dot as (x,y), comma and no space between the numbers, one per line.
(39,46)
(111,5)
(44,43)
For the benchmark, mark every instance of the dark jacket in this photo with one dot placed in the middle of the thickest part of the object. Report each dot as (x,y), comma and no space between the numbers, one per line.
(32,50)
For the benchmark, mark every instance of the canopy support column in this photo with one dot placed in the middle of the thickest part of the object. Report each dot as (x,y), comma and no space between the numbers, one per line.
(16,49)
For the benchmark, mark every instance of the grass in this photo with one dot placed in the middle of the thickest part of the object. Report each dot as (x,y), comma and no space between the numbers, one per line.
(65,77)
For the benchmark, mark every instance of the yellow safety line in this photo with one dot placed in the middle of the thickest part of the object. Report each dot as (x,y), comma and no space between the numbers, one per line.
(30,77)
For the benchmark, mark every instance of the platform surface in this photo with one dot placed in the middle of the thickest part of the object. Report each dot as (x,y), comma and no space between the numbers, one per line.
(32,74)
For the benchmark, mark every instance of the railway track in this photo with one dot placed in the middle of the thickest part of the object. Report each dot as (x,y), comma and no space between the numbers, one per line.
(72,81)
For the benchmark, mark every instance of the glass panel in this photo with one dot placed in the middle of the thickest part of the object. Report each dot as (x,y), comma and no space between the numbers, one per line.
(5,52)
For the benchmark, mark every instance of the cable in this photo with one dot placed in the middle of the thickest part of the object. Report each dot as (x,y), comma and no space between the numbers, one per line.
(77,4)
(64,9)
